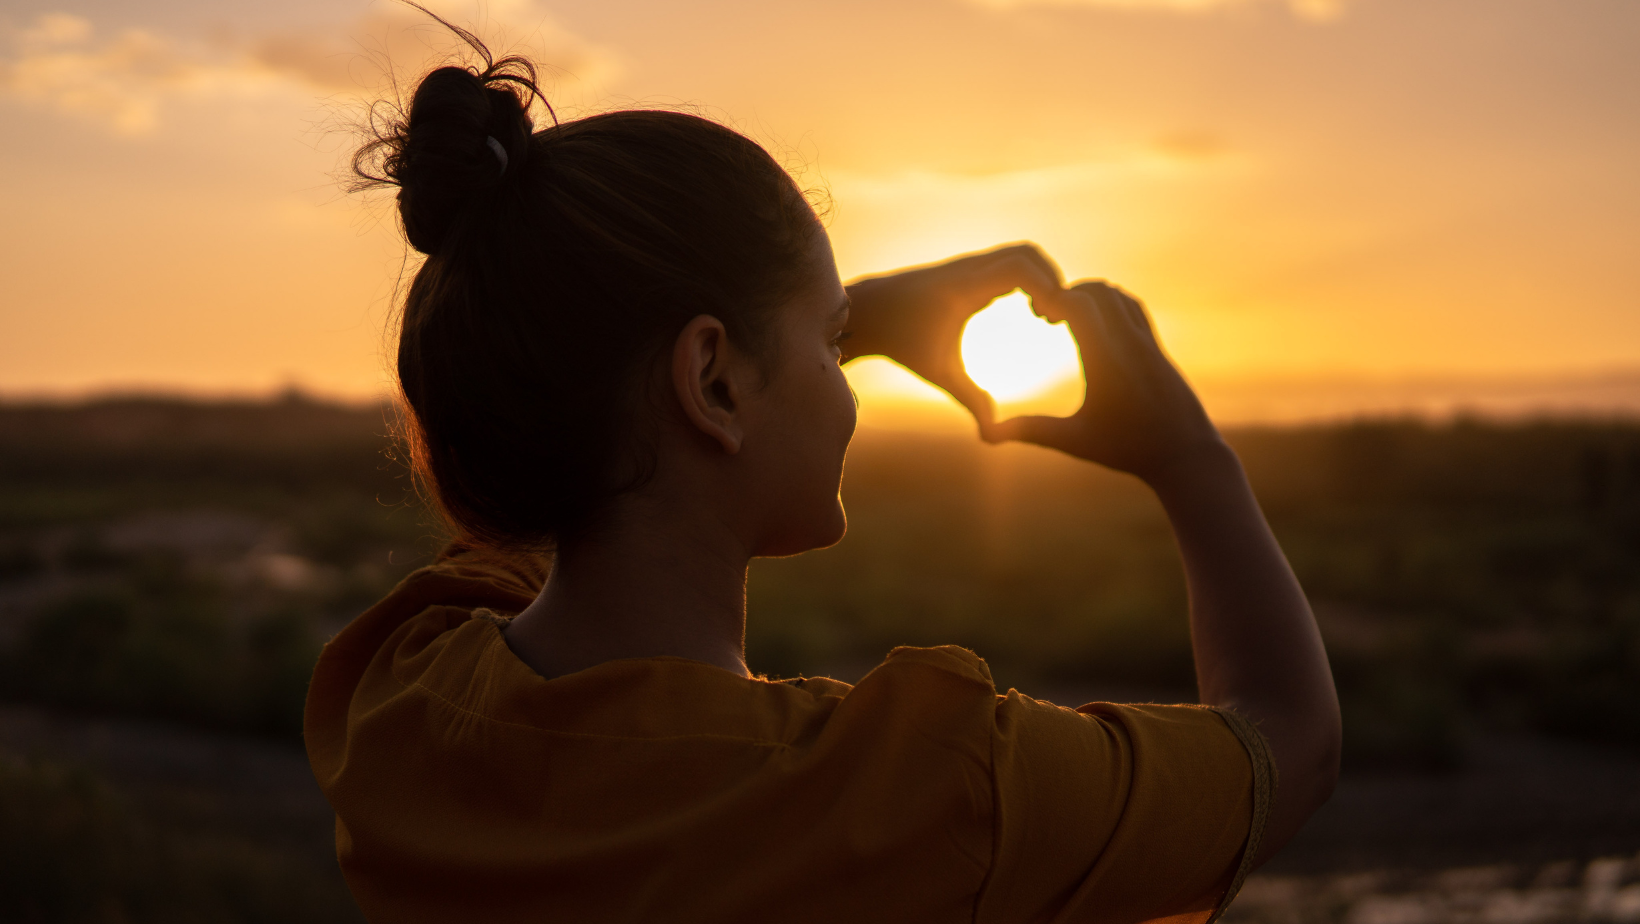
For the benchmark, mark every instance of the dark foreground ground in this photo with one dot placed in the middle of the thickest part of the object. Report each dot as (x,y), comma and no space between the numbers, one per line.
(1530,830)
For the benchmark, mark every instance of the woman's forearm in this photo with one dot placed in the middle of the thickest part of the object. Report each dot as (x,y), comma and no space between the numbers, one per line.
(1257,648)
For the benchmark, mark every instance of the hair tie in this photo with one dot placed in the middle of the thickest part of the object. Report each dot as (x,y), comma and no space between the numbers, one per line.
(500,152)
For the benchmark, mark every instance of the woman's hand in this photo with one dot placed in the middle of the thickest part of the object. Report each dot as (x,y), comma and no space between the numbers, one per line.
(915,317)
(1139,415)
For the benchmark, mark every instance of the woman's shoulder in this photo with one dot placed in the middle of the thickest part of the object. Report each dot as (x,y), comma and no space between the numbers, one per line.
(500,579)
(449,667)
(460,657)
(460,577)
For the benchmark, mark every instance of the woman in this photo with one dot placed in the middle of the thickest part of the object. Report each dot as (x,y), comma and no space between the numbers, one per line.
(624,346)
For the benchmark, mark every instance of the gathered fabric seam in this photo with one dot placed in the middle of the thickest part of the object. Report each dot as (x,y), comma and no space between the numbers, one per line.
(1264,785)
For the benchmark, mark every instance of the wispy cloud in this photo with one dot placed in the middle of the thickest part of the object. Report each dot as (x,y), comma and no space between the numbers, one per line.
(359,57)
(125,79)
(119,80)
(1314,10)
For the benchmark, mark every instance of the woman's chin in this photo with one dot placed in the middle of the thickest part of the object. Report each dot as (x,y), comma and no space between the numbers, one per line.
(839,527)
(821,531)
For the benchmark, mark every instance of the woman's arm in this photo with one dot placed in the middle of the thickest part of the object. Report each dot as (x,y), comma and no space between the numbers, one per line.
(1256,646)
(1257,649)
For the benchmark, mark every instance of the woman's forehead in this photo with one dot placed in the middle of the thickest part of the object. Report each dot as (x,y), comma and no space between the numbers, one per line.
(823,265)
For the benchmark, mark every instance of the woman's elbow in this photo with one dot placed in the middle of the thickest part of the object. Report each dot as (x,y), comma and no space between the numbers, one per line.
(1324,771)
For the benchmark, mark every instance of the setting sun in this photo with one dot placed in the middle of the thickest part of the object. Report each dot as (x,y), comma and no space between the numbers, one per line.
(1015,355)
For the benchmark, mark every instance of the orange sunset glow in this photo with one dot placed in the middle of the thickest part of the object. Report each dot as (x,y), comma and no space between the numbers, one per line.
(1329,207)
(505,513)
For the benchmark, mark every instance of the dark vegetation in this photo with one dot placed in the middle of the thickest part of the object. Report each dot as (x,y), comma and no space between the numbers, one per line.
(1468,577)
(73,850)
(184,562)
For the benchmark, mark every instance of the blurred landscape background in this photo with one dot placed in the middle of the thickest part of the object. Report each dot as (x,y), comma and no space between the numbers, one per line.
(169,569)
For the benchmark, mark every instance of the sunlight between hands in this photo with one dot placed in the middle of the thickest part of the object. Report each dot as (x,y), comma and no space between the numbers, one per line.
(916,317)
(1139,415)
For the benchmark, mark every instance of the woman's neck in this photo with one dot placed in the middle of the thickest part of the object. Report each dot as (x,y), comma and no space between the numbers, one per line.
(645,586)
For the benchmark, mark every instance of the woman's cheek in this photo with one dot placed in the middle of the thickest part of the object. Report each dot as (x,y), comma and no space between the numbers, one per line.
(847,409)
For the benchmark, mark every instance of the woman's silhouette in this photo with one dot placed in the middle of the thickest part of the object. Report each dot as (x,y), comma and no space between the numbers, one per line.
(620,370)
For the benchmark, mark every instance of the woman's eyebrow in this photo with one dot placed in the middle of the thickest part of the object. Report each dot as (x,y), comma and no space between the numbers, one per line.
(843,306)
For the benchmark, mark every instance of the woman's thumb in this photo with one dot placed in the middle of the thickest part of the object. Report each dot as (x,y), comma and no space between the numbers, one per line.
(1052,432)
(977,400)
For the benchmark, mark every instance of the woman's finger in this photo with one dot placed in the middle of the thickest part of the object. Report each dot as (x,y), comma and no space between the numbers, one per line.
(1023,266)
(1043,282)
(1032,252)
(977,400)
(1107,295)
(1088,315)
(1037,264)
(1137,315)
(1125,320)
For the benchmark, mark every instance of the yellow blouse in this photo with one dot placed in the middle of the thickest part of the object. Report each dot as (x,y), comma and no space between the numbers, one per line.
(468,788)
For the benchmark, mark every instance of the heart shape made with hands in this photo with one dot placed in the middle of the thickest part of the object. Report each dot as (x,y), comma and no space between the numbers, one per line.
(1028,365)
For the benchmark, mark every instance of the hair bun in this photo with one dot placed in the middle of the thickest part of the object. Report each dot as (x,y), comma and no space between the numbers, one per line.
(446,162)
(440,155)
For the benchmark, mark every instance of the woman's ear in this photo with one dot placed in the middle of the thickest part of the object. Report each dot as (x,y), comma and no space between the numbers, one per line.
(702,367)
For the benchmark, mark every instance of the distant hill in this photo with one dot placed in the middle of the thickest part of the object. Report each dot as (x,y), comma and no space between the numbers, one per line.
(291,444)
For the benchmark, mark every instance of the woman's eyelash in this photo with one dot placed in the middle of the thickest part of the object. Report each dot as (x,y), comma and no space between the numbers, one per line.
(838,340)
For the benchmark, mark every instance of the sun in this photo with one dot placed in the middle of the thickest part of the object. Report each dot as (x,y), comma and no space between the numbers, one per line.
(1015,355)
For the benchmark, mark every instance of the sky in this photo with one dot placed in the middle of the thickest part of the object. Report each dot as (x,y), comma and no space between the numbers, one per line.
(1324,203)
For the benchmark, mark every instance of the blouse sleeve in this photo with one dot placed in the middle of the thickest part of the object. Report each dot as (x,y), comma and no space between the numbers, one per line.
(1122,814)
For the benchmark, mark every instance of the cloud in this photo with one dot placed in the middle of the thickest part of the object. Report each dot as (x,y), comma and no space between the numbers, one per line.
(1314,10)
(118,80)
(1190,144)
(124,80)
(395,40)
